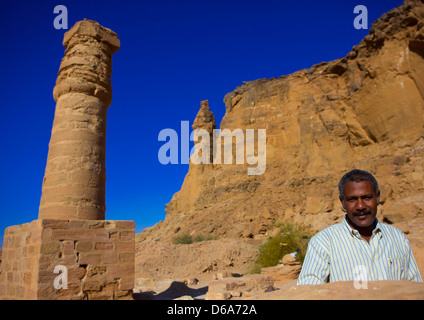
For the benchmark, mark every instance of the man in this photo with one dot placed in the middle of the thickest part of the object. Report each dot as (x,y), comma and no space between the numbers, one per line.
(360,247)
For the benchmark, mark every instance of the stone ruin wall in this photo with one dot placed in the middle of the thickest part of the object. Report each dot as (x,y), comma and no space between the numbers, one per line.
(98,255)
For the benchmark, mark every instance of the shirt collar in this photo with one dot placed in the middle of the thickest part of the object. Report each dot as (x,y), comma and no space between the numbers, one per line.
(353,232)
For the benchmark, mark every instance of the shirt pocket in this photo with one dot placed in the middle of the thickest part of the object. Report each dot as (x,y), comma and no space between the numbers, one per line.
(396,268)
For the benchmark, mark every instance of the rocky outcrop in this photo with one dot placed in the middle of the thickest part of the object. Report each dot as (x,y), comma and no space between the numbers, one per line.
(228,288)
(361,111)
(286,271)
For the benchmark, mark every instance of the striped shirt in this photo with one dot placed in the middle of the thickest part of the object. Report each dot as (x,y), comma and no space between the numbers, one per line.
(339,253)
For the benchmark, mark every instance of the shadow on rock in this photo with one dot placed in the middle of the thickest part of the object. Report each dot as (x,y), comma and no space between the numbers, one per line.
(175,290)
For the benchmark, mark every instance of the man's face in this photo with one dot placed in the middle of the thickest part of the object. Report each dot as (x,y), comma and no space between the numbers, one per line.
(360,202)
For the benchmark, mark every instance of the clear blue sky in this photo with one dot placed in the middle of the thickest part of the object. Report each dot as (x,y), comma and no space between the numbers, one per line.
(173,55)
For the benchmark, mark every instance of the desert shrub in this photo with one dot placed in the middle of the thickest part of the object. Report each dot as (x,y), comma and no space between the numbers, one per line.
(183,239)
(289,239)
(188,239)
(202,237)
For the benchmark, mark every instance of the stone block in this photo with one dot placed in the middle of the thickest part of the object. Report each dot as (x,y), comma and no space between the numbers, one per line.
(90,258)
(77,224)
(84,246)
(68,248)
(218,295)
(69,235)
(91,285)
(283,273)
(126,235)
(51,247)
(125,246)
(100,235)
(113,235)
(104,246)
(126,284)
(93,271)
(110,258)
(126,224)
(97,266)
(126,257)
(226,288)
(76,273)
(100,295)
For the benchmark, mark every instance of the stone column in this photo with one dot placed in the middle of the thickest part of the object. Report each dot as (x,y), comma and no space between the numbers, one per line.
(75,175)
(96,257)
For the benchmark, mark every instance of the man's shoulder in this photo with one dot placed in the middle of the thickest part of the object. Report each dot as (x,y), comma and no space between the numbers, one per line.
(338,227)
(393,231)
(330,231)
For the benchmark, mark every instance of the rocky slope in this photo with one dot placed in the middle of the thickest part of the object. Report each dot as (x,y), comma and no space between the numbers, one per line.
(362,111)
(157,260)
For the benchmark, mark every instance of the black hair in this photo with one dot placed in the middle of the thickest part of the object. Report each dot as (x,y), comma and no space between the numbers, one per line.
(357,176)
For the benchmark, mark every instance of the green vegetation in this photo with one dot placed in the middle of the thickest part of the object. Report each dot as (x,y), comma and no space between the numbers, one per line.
(183,239)
(201,237)
(187,238)
(289,239)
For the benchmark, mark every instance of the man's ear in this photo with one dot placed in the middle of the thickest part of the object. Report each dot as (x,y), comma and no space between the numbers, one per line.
(378,196)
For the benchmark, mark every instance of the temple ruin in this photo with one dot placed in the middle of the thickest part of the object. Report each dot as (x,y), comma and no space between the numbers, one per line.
(71,251)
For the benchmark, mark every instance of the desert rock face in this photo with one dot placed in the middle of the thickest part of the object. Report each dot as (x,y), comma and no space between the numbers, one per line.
(362,111)
(159,260)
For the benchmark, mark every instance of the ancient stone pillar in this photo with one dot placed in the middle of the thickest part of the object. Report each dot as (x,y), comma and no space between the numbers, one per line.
(75,175)
(95,257)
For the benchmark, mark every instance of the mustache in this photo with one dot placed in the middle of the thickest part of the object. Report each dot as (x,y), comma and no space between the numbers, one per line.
(356,214)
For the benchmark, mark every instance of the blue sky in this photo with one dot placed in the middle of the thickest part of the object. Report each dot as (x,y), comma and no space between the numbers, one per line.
(173,55)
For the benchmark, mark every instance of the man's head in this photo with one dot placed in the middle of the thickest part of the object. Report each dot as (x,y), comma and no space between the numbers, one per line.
(359,195)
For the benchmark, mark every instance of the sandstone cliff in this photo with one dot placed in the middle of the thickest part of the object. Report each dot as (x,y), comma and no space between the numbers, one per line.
(361,111)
